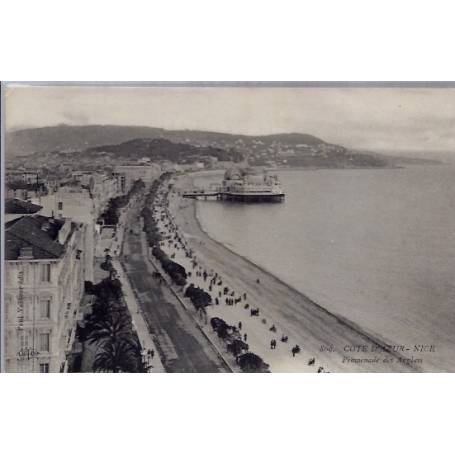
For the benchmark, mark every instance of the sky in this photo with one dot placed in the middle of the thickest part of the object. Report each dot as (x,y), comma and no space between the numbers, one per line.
(374,118)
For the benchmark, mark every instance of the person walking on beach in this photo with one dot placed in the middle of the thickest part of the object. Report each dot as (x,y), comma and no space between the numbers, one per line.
(245,337)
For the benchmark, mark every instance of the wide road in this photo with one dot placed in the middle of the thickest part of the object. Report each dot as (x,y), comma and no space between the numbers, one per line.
(183,348)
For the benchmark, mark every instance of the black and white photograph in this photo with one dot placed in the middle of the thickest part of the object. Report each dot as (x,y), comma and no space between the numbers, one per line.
(237,227)
(251,187)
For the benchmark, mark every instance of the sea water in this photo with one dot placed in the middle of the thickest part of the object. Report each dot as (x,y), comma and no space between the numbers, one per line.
(376,246)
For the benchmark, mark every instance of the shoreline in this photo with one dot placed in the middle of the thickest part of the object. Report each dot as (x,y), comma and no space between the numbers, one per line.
(326,328)
(342,320)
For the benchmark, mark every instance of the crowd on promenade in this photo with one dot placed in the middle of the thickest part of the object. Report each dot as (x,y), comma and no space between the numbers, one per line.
(228,301)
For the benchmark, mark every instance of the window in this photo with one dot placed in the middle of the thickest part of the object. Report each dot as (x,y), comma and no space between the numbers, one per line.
(23,340)
(27,310)
(45,272)
(44,342)
(44,368)
(45,308)
(60,206)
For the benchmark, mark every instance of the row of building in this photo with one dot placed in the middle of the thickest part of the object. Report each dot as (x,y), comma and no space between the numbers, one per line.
(51,241)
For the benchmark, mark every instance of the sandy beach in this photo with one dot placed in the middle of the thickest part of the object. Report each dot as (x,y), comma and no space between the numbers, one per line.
(303,321)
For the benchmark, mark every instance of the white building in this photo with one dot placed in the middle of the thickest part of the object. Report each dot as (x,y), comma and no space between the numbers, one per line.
(44,282)
(127,175)
(103,187)
(76,204)
(83,205)
(27,177)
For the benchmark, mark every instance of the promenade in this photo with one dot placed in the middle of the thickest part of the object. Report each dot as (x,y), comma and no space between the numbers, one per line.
(292,314)
(181,346)
(153,362)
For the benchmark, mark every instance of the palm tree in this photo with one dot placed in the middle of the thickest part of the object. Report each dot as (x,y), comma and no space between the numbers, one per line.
(108,294)
(114,326)
(107,265)
(118,356)
(252,363)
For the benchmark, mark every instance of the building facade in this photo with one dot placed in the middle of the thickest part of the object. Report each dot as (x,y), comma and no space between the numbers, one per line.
(24,176)
(84,204)
(127,175)
(44,284)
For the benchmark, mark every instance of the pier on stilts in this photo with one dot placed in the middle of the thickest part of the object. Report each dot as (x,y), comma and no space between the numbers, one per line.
(202,195)
(233,196)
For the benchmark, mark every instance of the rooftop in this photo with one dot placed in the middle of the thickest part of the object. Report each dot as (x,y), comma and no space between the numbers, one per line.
(25,186)
(37,234)
(18,206)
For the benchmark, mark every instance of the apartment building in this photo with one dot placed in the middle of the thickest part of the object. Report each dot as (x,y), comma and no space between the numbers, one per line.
(44,282)
(84,204)
(127,175)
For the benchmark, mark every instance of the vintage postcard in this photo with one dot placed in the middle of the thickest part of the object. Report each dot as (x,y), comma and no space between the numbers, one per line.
(210,227)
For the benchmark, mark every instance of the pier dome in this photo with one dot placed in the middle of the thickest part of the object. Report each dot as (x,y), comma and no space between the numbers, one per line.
(237,173)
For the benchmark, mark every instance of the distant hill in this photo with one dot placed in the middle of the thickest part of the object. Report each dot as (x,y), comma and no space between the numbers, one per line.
(111,143)
(398,159)
(76,138)
(159,149)
(71,138)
